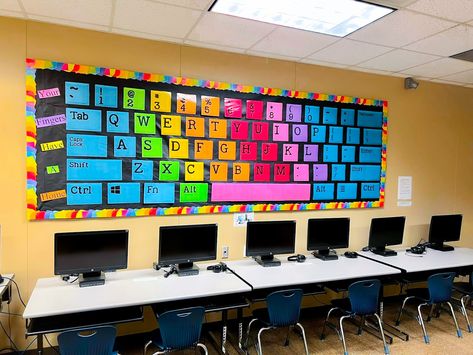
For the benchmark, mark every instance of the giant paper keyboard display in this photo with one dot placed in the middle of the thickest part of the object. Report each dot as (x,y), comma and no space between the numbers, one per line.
(111,143)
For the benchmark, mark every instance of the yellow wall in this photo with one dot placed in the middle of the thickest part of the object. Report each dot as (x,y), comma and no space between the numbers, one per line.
(430,138)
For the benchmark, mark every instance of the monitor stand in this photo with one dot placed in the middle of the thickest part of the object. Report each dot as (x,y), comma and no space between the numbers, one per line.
(441,247)
(187,269)
(267,260)
(326,254)
(95,278)
(383,251)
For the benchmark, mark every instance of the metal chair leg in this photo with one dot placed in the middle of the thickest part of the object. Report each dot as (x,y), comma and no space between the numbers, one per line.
(342,334)
(322,336)
(258,348)
(421,321)
(381,330)
(429,318)
(146,346)
(465,314)
(360,327)
(459,332)
(286,343)
(245,344)
(203,347)
(303,338)
(398,319)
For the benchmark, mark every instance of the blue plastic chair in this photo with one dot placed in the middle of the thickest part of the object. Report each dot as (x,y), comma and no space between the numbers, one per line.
(364,302)
(439,287)
(178,329)
(283,311)
(466,289)
(96,341)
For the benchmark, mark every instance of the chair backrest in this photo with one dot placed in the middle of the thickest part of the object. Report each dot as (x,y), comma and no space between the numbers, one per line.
(95,341)
(181,328)
(364,296)
(284,307)
(440,287)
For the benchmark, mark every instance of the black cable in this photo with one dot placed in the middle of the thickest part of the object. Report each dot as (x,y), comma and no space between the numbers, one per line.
(12,314)
(12,343)
(17,289)
(31,342)
(53,347)
(5,349)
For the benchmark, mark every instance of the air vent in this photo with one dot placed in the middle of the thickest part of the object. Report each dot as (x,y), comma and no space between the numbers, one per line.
(468,56)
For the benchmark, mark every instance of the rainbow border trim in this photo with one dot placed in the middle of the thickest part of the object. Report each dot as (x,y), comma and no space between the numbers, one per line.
(31,167)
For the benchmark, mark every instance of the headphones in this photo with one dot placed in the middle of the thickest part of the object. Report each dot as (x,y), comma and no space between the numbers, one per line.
(299,258)
(218,267)
(417,249)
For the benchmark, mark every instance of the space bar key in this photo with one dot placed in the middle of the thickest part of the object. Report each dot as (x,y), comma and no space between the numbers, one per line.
(245,192)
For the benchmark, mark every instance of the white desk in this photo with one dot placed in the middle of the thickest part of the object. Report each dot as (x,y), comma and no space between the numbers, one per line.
(432,260)
(313,270)
(6,285)
(52,296)
(56,305)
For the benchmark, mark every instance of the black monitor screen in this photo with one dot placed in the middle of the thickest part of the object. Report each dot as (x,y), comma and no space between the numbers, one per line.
(328,233)
(185,244)
(446,228)
(386,231)
(269,238)
(82,252)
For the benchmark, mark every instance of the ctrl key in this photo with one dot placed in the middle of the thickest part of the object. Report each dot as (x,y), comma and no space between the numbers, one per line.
(84,194)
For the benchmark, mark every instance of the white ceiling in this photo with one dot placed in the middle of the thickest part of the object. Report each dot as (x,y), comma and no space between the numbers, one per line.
(416,40)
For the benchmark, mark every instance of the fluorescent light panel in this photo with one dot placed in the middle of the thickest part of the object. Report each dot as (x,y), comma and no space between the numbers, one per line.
(333,17)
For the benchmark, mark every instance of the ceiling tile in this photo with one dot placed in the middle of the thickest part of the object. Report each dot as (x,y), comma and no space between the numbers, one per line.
(322,63)
(192,4)
(282,42)
(86,11)
(397,4)
(400,28)
(455,10)
(397,60)
(146,35)
(10,5)
(349,52)
(229,31)
(154,18)
(465,77)
(452,41)
(8,13)
(214,46)
(441,67)
(88,26)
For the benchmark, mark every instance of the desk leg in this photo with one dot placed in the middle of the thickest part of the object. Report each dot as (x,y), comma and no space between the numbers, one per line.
(224,331)
(240,328)
(39,343)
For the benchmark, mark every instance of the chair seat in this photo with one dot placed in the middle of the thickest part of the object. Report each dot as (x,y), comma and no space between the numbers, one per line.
(463,287)
(157,339)
(262,315)
(343,303)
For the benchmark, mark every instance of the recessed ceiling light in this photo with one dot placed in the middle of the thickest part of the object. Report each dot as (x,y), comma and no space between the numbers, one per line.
(333,17)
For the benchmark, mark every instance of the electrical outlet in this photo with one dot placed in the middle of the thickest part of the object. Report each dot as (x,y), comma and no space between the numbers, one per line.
(225,252)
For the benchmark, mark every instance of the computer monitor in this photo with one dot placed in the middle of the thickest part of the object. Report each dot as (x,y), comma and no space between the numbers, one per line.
(183,245)
(89,254)
(445,228)
(326,234)
(386,231)
(264,239)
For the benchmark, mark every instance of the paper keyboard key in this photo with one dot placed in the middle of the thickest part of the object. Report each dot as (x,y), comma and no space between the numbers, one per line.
(372,136)
(353,135)
(348,117)
(311,152)
(365,172)
(330,153)
(77,93)
(78,119)
(370,190)
(158,193)
(106,96)
(311,114)
(142,170)
(124,146)
(323,192)
(118,122)
(335,135)
(347,191)
(293,113)
(320,172)
(84,194)
(370,155)
(299,133)
(93,169)
(370,119)
(318,134)
(330,115)
(274,111)
(83,145)
(123,192)
(348,154)
(338,172)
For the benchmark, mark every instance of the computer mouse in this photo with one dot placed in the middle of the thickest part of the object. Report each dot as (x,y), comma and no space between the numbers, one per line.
(350,254)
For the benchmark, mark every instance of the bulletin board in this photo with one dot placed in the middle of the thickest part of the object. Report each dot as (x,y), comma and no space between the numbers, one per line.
(106,142)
